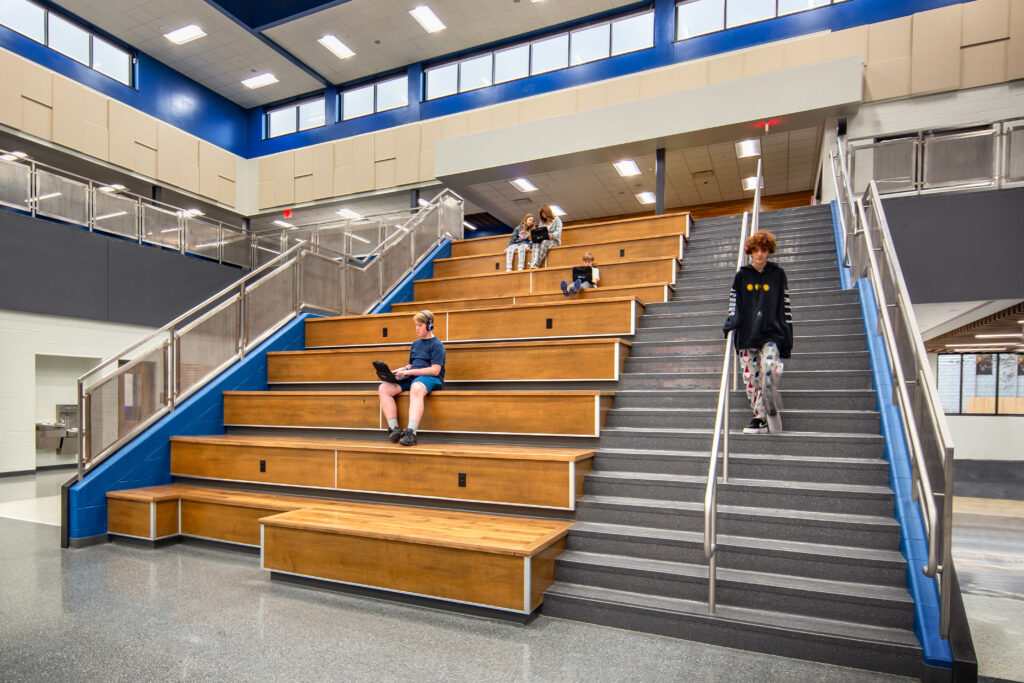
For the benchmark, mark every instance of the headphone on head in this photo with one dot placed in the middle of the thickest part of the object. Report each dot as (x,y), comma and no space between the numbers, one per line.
(430,320)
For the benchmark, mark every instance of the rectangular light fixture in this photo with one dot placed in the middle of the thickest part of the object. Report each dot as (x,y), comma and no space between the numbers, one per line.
(185,34)
(259,81)
(523,185)
(626,167)
(647,198)
(468,226)
(340,49)
(349,213)
(1015,335)
(557,210)
(979,346)
(750,184)
(427,19)
(748,148)
(283,224)
(358,238)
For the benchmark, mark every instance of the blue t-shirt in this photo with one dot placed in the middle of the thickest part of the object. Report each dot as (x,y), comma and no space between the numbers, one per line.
(427,352)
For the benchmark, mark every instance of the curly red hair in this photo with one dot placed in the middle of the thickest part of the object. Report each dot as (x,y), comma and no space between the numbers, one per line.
(762,239)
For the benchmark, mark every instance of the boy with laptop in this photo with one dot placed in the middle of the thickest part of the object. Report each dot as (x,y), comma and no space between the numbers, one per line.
(423,374)
(583,277)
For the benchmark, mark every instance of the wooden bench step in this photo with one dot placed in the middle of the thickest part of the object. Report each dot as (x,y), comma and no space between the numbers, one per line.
(605,253)
(646,293)
(566,413)
(499,562)
(592,359)
(584,234)
(512,475)
(534,280)
(568,318)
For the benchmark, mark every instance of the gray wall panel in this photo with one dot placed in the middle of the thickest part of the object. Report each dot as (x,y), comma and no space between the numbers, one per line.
(960,246)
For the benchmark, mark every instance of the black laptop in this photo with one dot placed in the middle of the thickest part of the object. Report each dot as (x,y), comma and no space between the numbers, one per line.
(538,235)
(583,274)
(384,372)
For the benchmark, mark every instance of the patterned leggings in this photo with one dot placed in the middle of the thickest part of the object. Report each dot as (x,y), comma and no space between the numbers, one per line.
(540,252)
(756,362)
(510,254)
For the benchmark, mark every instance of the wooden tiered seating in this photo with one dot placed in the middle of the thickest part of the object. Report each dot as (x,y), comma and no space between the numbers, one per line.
(647,293)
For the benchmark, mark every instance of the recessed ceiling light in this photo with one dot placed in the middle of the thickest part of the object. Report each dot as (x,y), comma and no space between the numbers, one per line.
(348,213)
(468,226)
(283,224)
(557,210)
(978,346)
(340,49)
(112,187)
(749,184)
(185,34)
(997,336)
(748,148)
(647,198)
(523,185)
(259,81)
(427,19)
(626,167)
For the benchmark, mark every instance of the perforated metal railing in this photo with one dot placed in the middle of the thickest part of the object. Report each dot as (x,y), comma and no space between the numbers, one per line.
(869,251)
(130,391)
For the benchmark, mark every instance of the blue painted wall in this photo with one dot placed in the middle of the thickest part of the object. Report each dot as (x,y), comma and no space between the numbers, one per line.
(173,98)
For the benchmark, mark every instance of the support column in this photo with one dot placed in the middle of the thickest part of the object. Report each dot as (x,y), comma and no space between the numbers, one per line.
(659,181)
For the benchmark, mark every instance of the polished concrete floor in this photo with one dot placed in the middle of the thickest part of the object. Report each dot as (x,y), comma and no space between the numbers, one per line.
(192,612)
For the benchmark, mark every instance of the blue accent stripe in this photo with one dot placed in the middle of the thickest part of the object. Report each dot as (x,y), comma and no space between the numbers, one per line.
(424,271)
(844,271)
(146,460)
(913,542)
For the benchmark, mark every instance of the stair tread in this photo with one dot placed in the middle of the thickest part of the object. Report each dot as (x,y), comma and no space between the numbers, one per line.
(812,436)
(767,457)
(790,485)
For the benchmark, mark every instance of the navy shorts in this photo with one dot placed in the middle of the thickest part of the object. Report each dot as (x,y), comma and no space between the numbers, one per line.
(428,381)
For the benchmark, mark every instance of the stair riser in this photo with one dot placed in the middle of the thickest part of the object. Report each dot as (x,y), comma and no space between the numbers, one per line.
(795,400)
(655,419)
(780,528)
(853,342)
(746,496)
(751,596)
(823,279)
(769,444)
(697,267)
(783,233)
(804,361)
(793,380)
(720,303)
(744,558)
(740,468)
(800,313)
(714,333)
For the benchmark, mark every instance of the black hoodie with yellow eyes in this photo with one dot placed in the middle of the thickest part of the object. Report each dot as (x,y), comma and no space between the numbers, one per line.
(759,309)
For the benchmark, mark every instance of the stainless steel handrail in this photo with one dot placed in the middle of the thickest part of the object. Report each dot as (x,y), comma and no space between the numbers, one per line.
(924,462)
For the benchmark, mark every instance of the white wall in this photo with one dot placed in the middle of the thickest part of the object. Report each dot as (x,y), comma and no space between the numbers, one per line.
(22,337)
(56,382)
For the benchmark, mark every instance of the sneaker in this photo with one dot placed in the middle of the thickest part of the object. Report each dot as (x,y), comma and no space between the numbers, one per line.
(408,437)
(394,434)
(576,286)
(565,288)
(756,426)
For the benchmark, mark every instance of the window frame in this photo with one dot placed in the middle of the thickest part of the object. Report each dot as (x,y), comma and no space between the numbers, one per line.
(996,362)
(373,85)
(725,16)
(294,107)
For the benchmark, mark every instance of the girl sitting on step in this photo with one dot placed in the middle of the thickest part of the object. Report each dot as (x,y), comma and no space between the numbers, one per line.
(519,242)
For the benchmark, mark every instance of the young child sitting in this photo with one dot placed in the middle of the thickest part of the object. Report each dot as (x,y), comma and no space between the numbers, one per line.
(519,242)
(583,277)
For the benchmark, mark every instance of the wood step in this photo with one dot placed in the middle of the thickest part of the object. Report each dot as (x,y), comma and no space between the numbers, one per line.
(535,280)
(568,318)
(493,561)
(605,253)
(550,359)
(512,475)
(647,293)
(565,413)
(585,233)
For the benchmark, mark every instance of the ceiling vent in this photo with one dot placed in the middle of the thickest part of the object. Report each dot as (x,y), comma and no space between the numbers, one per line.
(704,177)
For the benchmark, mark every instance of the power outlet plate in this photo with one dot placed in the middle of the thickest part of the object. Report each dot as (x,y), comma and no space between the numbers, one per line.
(462,479)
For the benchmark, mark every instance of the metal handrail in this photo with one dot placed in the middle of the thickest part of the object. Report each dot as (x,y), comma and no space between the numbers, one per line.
(166,356)
(923,462)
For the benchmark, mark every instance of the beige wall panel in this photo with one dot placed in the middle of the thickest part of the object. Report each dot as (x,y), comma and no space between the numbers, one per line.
(323,171)
(936,51)
(407,163)
(10,86)
(188,149)
(454,126)
(889,39)
(36,119)
(226,191)
(303,161)
(362,164)
(588,97)
(145,160)
(189,176)
(848,43)
(550,105)
(505,115)
(303,188)
(146,130)
(431,131)
(1016,46)
(67,106)
(657,82)
(887,79)
(226,164)
(985,21)
(426,164)
(384,145)
(342,181)
(764,59)
(93,140)
(284,178)
(726,67)
(121,143)
(37,83)
(621,90)
(384,174)
(168,166)
(480,120)
(983,64)
(803,51)
(266,196)
(209,178)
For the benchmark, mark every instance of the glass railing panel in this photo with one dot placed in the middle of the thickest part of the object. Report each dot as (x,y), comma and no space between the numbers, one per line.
(396,261)
(1015,153)
(116,214)
(267,249)
(62,198)
(269,302)
(237,249)
(160,226)
(207,345)
(362,285)
(202,238)
(15,180)
(321,282)
(960,159)
(891,164)
(363,238)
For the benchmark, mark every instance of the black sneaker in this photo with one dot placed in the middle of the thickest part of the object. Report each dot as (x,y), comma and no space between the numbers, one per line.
(408,437)
(394,434)
(756,426)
